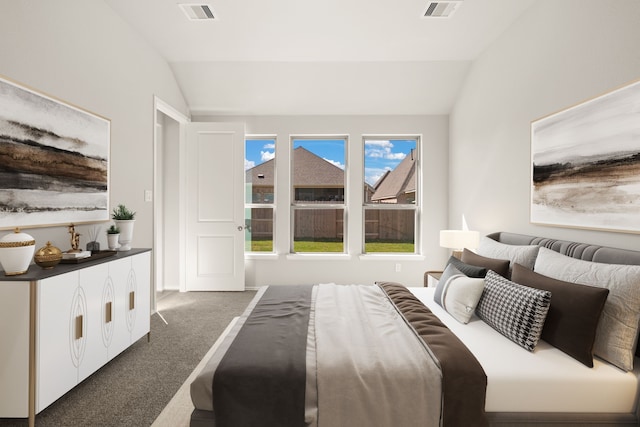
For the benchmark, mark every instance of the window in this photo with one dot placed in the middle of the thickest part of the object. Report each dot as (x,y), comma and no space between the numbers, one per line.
(259,165)
(318,193)
(391,205)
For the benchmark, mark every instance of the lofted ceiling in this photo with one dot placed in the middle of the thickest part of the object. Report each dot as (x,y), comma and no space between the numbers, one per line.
(320,57)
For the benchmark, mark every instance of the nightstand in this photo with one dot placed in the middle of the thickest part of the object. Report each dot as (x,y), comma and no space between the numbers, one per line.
(431,278)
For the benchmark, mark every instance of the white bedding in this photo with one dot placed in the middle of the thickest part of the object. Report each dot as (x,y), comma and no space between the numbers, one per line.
(545,380)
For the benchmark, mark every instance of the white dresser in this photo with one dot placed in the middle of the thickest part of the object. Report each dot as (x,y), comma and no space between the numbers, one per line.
(59,326)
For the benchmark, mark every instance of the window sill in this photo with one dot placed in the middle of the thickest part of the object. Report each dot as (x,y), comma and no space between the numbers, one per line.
(265,256)
(392,257)
(322,257)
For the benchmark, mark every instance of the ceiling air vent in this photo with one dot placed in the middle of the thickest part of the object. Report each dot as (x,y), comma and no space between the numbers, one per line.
(197,12)
(442,9)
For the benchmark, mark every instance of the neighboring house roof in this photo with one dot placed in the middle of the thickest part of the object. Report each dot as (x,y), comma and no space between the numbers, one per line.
(309,170)
(399,181)
(261,175)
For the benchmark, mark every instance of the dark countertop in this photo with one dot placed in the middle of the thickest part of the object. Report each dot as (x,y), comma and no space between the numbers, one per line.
(38,273)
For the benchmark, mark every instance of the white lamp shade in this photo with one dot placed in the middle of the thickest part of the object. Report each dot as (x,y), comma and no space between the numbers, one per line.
(459,239)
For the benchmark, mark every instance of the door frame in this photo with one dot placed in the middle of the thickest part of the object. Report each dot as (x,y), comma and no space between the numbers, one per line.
(160,106)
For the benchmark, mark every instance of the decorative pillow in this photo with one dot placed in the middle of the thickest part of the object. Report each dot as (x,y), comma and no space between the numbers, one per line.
(617,331)
(573,315)
(458,294)
(517,312)
(522,254)
(500,266)
(467,269)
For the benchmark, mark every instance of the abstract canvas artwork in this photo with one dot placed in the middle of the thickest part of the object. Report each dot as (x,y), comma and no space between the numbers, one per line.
(54,161)
(585,164)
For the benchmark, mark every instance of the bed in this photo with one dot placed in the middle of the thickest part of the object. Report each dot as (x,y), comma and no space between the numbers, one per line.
(439,369)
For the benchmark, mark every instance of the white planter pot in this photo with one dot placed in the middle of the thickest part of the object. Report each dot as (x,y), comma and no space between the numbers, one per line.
(112,241)
(16,251)
(126,233)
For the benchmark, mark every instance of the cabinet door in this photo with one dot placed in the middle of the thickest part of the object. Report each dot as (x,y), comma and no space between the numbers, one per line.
(118,275)
(60,347)
(14,349)
(139,283)
(93,281)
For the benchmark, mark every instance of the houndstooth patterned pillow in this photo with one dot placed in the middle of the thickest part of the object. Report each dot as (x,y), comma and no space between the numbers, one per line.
(517,312)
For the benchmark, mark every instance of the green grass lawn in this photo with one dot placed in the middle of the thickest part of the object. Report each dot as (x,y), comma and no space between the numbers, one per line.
(333,247)
(372,247)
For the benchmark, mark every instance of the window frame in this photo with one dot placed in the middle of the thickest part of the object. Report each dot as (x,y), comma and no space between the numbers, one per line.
(295,206)
(273,204)
(416,206)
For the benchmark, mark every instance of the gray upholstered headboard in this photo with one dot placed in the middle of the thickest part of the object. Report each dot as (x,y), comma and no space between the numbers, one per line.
(577,250)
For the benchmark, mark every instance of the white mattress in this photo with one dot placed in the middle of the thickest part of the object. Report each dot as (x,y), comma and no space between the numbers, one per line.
(545,380)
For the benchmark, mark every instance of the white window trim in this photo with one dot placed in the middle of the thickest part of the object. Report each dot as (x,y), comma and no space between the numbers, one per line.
(417,206)
(345,255)
(272,253)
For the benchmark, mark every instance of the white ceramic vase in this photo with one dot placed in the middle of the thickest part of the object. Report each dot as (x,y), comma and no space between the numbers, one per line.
(112,241)
(126,233)
(16,252)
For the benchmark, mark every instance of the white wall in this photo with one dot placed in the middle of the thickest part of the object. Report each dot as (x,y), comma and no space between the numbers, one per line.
(80,51)
(558,54)
(434,132)
(168,197)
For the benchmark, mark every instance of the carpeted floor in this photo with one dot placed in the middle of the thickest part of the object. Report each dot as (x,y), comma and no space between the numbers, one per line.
(133,388)
(178,411)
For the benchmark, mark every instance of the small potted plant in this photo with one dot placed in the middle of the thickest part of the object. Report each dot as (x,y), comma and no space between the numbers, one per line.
(122,213)
(113,233)
(124,219)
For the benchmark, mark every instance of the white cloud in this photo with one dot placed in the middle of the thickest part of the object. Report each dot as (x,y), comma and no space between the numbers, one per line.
(335,163)
(372,175)
(248,164)
(269,146)
(267,155)
(379,143)
(381,149)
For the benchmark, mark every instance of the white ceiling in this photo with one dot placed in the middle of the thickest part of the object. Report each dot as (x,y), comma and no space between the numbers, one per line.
(320,57)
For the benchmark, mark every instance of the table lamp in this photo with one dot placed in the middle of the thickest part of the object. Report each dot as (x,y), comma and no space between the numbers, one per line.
(457,240)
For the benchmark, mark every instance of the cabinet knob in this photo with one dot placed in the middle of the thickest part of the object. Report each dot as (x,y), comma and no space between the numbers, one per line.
(132,300)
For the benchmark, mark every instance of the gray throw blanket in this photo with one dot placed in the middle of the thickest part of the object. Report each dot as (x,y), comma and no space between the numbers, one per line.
(353,355)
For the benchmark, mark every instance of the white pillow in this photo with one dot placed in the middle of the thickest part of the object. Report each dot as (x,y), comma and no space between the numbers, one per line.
(617,329)
(458,294)
(524,255)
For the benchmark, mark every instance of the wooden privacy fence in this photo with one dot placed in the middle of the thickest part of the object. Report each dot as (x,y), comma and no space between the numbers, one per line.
(395,225)
(318,224)
(261,223)
(380,224)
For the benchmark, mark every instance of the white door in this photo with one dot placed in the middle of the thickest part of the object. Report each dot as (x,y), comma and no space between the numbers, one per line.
(215,207)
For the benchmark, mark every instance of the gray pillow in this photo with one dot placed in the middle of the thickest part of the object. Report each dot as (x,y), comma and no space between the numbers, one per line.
(458,294)
(617,330)
(524,255)
(467,269)
(517,312)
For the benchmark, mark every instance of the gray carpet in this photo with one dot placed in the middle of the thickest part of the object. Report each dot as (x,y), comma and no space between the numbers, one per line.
(132,389)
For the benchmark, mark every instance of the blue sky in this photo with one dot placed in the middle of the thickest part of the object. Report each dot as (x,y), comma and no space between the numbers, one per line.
(380,155)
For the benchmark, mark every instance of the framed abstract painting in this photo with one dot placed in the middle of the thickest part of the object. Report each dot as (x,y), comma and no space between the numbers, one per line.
(585,164)
(54,160)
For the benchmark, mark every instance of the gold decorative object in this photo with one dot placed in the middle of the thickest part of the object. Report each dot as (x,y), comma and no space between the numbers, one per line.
(16,251)
(48,256)
(75,240)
